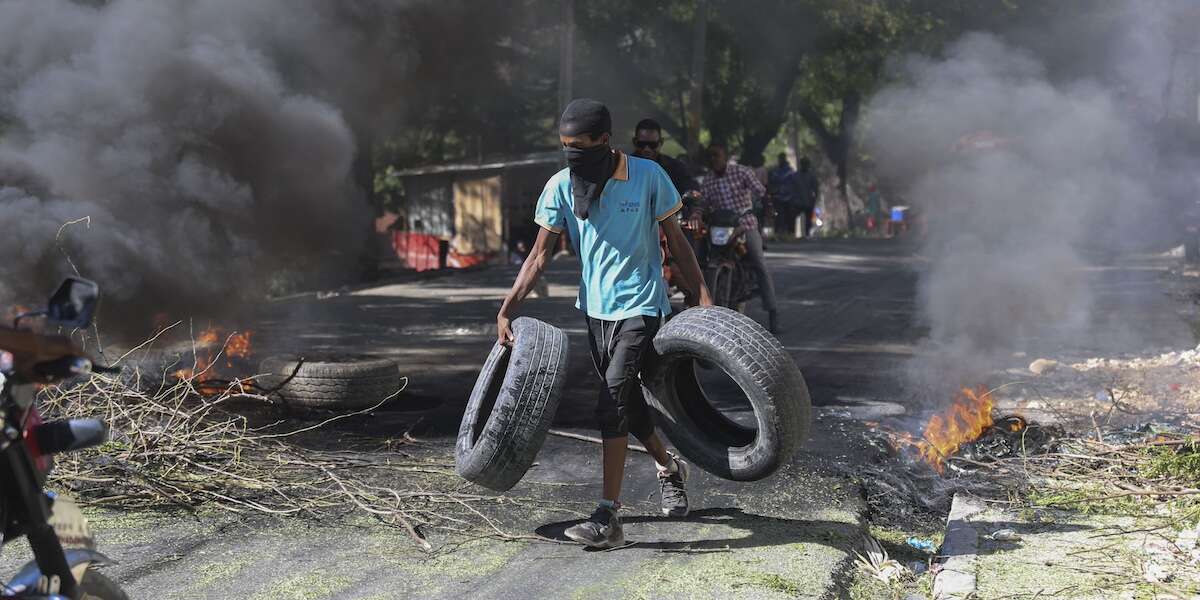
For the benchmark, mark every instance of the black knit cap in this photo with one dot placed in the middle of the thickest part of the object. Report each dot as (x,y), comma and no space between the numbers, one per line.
(585,115)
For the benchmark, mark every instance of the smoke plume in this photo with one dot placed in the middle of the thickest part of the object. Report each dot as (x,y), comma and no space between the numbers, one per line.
(1025,178)
(195,145)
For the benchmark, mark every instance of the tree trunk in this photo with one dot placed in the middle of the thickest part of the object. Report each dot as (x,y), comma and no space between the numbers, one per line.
(363,170)
(837,145)
(794,139)
(696,99)
(566,55)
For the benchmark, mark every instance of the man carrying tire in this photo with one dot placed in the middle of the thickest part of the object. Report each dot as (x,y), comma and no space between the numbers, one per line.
(613,205)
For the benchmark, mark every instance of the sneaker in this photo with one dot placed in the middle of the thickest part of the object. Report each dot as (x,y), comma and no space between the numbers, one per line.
(601,530)
(674,490)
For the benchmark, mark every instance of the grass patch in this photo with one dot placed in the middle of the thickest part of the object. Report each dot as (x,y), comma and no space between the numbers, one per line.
(863,587)
(770,581)
(1180,464)
(1085,500)
(309,586)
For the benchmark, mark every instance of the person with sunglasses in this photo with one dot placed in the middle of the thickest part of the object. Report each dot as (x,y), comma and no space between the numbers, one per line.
(647,144)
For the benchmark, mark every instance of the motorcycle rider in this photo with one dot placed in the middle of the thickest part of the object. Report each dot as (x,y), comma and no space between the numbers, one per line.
(647,143)
(732,186)
(614,206)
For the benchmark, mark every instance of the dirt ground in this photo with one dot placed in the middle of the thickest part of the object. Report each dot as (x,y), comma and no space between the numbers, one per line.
(849,317)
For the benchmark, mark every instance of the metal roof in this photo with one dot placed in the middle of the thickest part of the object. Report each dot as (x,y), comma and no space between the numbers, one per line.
(538,158)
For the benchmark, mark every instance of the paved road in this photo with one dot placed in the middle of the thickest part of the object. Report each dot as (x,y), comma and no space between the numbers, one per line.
(849,318)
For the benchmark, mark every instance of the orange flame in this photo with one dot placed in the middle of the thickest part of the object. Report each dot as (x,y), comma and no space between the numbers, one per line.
(208,346)
(962,422)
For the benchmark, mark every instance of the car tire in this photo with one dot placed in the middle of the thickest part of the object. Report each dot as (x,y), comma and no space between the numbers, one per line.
(330,383)
(759,365)
(512,406)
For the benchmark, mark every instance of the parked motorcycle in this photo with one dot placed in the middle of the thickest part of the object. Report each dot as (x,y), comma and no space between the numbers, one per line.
(65,560)
(730,283)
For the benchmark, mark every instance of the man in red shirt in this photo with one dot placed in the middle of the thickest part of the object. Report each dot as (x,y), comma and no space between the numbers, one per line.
(732,186)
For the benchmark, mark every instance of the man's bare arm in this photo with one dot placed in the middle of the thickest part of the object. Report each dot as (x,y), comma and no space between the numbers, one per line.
(696,292)
(531,272)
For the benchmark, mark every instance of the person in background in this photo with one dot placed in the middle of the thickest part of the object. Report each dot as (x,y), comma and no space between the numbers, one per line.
(732,186)
(808,193)
(875,214)
(781,187)
(763,209)
(647,144)
(517,256)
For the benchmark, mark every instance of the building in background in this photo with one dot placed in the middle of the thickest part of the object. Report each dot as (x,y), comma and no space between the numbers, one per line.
(465,214)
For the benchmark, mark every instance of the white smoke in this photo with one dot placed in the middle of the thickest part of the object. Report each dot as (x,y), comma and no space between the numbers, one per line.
(1024,179)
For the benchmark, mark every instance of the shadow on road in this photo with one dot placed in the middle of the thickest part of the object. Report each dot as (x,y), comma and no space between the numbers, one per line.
(736,529)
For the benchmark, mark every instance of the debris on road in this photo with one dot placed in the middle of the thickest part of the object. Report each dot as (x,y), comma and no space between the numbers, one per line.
(1004,535)
(1042,366)
(921,544)
(875,562)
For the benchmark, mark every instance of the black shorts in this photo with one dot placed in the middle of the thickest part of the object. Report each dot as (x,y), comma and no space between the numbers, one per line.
(620,349)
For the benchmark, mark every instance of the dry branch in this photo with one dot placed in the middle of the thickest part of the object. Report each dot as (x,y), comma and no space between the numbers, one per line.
(181,445)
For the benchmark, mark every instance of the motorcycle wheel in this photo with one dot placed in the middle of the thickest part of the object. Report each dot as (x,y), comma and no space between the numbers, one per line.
(97,586)
(720,284)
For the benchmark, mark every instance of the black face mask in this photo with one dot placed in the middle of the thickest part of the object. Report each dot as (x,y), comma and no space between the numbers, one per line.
(590,170)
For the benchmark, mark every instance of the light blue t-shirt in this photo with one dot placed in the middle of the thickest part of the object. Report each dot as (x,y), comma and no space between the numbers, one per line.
(618,243)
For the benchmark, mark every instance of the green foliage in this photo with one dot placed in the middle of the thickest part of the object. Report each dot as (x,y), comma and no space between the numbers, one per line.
(1178,464)
(1089,501)
(482,78)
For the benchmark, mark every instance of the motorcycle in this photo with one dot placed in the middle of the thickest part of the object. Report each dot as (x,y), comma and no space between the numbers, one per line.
(65,560)
(730,283)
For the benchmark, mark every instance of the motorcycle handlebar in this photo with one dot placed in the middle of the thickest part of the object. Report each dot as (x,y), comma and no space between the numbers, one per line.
(42,358)
(62,368)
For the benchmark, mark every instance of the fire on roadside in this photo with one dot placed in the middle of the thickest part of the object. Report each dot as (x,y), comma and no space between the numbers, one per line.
(212,345)
(964,421)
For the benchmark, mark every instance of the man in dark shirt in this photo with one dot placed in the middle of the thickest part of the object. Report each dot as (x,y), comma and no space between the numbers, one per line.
(808,193)
(781,187)
(647,143)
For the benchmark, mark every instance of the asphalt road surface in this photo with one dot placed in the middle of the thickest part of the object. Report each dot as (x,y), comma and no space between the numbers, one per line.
(850,321)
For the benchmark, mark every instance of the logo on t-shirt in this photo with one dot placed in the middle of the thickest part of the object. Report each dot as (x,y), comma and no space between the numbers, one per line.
(630,206)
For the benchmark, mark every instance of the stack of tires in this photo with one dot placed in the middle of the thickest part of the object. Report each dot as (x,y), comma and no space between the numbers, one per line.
(516,395)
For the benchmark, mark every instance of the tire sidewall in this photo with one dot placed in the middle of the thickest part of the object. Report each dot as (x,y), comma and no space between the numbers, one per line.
(781,412)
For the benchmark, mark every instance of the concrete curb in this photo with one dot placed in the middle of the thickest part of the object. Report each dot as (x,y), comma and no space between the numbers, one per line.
(956,580)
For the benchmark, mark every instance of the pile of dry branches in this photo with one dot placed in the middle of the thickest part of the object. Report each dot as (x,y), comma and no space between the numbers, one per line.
(1125,471)
(177,443)
(1090,470)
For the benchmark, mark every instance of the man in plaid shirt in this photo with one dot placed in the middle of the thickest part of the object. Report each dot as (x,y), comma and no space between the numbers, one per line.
(733,187)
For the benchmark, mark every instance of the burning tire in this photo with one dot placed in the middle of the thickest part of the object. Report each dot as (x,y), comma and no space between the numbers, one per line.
(331,383)
(512,406)
(757,363)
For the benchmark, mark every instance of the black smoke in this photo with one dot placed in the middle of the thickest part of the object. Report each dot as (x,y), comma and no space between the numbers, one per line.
(197,146)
